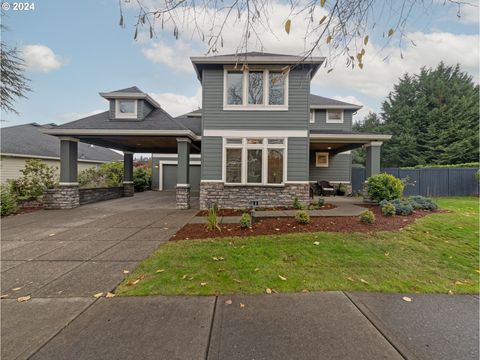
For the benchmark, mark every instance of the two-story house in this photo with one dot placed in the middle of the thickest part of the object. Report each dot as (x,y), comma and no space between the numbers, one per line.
(260,137)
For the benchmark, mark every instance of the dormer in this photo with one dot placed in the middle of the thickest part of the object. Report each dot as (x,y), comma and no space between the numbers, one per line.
(130,104)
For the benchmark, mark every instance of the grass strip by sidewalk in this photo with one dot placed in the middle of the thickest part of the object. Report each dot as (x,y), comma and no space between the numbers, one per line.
(437,254)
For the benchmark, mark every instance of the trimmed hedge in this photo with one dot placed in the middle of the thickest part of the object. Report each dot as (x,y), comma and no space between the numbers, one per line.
(385,187)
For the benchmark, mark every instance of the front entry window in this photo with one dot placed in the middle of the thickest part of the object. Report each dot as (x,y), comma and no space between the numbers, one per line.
(234,166)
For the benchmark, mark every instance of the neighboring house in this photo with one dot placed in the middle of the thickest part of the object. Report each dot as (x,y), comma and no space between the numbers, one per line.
(260,138)
(23,142)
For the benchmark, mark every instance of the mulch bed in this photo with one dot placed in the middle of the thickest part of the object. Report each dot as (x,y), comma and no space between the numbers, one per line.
(28,207)
(239,212)
(275,226)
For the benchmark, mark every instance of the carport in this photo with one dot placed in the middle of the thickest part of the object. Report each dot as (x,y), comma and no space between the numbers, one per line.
(148,129)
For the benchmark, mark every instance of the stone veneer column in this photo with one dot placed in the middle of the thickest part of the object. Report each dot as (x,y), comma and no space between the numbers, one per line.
(183,174)
(128,188)
(66,196)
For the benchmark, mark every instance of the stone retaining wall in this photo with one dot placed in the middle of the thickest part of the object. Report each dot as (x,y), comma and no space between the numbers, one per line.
(63,197)
(91,195)
(241,197)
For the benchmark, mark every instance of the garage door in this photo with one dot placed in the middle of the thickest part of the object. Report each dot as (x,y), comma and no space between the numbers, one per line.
(170,177)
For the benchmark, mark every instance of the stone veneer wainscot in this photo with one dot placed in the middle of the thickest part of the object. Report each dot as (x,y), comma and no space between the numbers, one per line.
(241,197)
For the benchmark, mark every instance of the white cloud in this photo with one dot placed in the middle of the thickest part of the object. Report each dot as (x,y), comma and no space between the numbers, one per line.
(176,104)
(72,116)
(378,75)
(360,114)
(176,56)
(41,58)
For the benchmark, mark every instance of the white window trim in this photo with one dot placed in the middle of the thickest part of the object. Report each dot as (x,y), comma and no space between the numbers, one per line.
(316,159)
(169,162)
(119,115)
(312,118)
(335,121)
(264,147)
(266,88)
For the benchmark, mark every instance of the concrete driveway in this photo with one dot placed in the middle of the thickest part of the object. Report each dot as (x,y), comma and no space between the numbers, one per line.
(63,258)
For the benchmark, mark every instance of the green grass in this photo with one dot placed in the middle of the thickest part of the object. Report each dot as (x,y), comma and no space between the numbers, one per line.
(436,254)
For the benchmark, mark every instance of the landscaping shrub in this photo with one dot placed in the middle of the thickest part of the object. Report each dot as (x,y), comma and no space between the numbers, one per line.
(245,221)
(37,176)
(367,217)
(297,204)
(421,202)
(385,187)
(321,202)
(107,175)
(212,219)
(341,190)
(388,209)
(8,200)
(302,217)
(141,179)
(402,207)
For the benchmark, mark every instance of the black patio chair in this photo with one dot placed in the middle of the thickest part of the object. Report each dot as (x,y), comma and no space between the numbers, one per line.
(326,188)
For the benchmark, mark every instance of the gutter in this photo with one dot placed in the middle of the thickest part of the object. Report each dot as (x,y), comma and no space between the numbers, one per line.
(121,132)
(55,158)
(358,137)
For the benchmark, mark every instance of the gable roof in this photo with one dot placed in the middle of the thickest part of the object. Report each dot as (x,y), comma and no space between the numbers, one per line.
(29,140)
(320,102)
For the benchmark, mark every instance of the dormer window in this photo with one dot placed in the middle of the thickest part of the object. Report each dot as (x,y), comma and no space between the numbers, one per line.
(255,89)
(125,109)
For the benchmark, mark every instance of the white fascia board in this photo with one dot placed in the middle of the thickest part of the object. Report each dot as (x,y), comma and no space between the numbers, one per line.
(54,158)
(257,60)
(340,137)
(126,95)
(86,132)
(336,107)
(256,133)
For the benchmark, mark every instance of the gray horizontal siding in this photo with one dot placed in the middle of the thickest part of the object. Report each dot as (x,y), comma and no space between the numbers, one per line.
(297,166)
(339,168)
(212,158)
(296,118)
(321,121)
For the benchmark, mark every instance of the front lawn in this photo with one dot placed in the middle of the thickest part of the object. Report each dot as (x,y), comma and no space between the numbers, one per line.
(436,254)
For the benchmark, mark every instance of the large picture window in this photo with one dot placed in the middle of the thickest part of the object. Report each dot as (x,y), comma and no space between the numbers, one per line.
(254,161)
(256,90)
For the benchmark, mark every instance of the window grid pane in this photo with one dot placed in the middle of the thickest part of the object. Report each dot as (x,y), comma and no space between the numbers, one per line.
(275,166)
(275,141)
(254,166)
(255,87)
(254,141)
(234,166)
(234,88)
(276,94)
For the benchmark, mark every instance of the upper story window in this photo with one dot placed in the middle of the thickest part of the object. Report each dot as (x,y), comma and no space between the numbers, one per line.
(255,90)
(125,108)
(335,116)
(312,116)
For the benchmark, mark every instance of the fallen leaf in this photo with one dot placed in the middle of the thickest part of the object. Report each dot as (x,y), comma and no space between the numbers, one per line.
(215,258)
(450,292)
(203,284)
(228,302)
(288,24)
(349,278)
(3,296)
(387,254)
(220,258)
(184,277)
(126,271)
(98,295)
(236,280)
(220,269)
(136,282)
(268,290)
(277,229)
(459,283)
(24,298)
(16,289)
(478,271)
(242,305)
(160,270)
(282,277)
(256,269)
(110,295)
(316,243)
(407,299)
(51,234)
(305,291)
(364,281)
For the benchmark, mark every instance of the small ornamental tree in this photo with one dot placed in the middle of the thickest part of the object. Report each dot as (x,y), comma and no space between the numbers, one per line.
(37,176)
(385,187)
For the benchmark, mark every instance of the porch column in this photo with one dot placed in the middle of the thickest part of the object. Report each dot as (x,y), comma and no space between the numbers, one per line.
(128,188)
(372,164)
(67,195)
(183,173)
